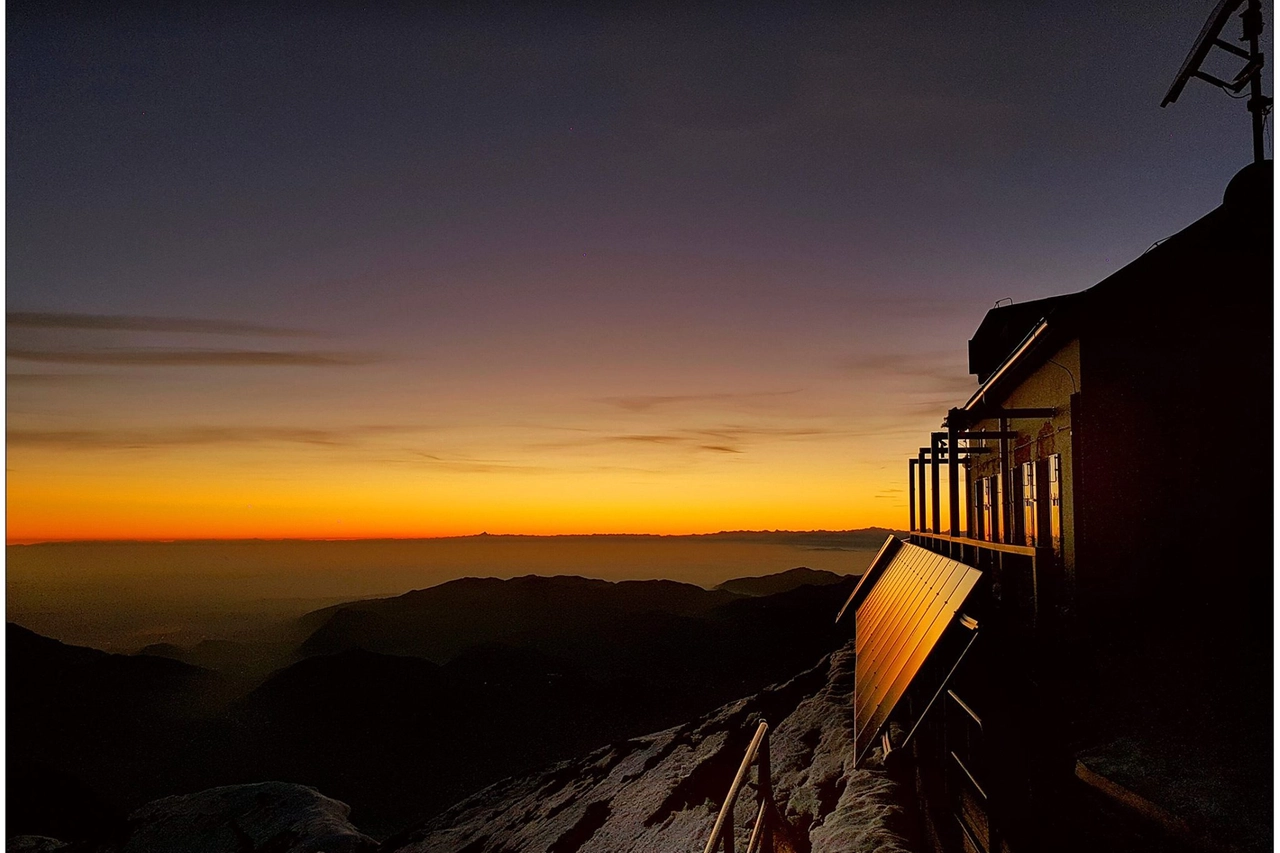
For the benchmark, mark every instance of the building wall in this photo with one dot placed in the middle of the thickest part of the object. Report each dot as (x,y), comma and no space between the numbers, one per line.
(1050,386)
(1177,420)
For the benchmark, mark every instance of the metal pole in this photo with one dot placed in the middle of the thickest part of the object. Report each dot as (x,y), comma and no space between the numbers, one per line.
(953,475)
(765,771)
(921,517)
(935,480)
(758,830)
(911,495)
(724,821)
(1252,18)
(970,510)
(1005,512)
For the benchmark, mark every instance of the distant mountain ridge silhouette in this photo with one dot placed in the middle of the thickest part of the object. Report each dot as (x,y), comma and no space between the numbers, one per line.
(401,706)
(781,582)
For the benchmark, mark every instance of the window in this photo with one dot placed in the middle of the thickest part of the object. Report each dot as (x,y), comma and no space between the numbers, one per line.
(1030,505)
(977,513)
(1055,503)
(991,508)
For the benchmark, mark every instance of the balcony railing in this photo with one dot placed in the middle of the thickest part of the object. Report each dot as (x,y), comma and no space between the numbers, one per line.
(1026,579)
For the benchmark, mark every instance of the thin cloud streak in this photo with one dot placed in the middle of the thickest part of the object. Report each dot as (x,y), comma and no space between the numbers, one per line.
(193,358)
(148,323)
(941,369)
(645,402)
(726,439)
(125,439)
(51,378)
(465,465)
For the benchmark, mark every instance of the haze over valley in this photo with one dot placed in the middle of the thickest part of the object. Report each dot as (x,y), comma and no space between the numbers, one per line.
(121,596)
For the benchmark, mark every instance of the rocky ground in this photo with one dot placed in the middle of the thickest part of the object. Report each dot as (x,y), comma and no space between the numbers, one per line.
(658,792)
(662,792)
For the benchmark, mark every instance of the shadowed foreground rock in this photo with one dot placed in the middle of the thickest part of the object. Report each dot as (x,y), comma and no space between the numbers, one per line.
(34,844)
(662,791)
(657,792)
(271,816)
(268,817)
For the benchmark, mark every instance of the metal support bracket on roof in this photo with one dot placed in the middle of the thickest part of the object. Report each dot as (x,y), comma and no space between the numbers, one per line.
(1250,75)
(967,622)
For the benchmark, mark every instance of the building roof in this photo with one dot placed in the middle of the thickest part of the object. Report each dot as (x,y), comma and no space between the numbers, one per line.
(1002,349)
(1003,329)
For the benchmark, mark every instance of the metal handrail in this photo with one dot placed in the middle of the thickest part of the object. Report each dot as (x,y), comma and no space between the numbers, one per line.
(1025,550)
(723,829)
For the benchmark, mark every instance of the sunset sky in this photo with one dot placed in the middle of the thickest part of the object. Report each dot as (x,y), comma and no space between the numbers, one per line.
(334,272)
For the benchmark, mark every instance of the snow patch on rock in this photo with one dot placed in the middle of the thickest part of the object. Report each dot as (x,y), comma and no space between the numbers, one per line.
(275,816)
(33,844)
(663,791)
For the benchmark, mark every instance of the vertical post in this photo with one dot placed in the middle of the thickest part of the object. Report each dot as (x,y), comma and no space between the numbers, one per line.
(1006,493)
(970,502)
(935,450)
(911,495)
(953,470)
(765,771)
(1257,105)
(921,518)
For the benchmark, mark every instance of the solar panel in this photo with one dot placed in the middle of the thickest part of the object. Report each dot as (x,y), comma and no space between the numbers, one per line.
(1204,42)
(871,575)
(917,595)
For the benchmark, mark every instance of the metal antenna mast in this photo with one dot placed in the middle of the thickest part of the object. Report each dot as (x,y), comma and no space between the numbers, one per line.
(1250,75)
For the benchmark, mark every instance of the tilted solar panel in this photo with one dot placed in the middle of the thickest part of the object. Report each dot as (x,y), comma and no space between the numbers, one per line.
(899,622)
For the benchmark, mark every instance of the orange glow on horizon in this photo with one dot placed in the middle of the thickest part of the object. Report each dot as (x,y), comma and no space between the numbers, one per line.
(102,507)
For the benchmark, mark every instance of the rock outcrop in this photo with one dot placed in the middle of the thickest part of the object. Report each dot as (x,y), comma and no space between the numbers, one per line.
(33,844)
(657,792)
(268,816)
(663,791)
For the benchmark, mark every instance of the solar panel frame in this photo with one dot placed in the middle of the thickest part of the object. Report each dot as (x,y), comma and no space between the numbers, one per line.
(928,637)
(900,622)
(872,574)
(923,603)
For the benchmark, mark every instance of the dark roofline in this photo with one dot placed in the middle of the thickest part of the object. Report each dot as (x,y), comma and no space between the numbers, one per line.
(1029,343)
(1004,328)
(1249,189)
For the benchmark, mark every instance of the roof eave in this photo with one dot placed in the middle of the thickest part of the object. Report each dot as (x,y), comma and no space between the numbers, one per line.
(1016,358)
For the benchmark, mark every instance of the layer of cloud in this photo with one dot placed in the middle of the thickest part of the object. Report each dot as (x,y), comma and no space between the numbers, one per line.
(721,439)
(466,465)
(169,357)
(38,379)
(146,323)
(941,370)
(193,436)
(644,402)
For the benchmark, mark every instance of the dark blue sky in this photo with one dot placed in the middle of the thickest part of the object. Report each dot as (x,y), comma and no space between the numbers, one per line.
(654,201)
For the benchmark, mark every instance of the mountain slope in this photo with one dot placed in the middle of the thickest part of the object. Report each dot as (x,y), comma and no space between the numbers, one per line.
(781,581)
(662,791)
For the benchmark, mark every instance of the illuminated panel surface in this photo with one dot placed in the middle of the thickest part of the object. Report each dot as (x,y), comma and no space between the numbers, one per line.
(872,574)
(898,624)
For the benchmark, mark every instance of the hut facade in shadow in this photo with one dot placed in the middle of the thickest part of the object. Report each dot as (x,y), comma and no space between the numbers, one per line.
(1072,650)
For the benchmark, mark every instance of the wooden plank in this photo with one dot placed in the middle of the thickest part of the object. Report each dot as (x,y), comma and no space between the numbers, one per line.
(1170,823)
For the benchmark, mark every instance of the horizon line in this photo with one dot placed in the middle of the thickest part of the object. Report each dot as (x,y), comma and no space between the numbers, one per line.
(161,540)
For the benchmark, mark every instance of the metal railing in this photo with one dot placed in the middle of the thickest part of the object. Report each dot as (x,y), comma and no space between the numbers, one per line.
(761,835)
